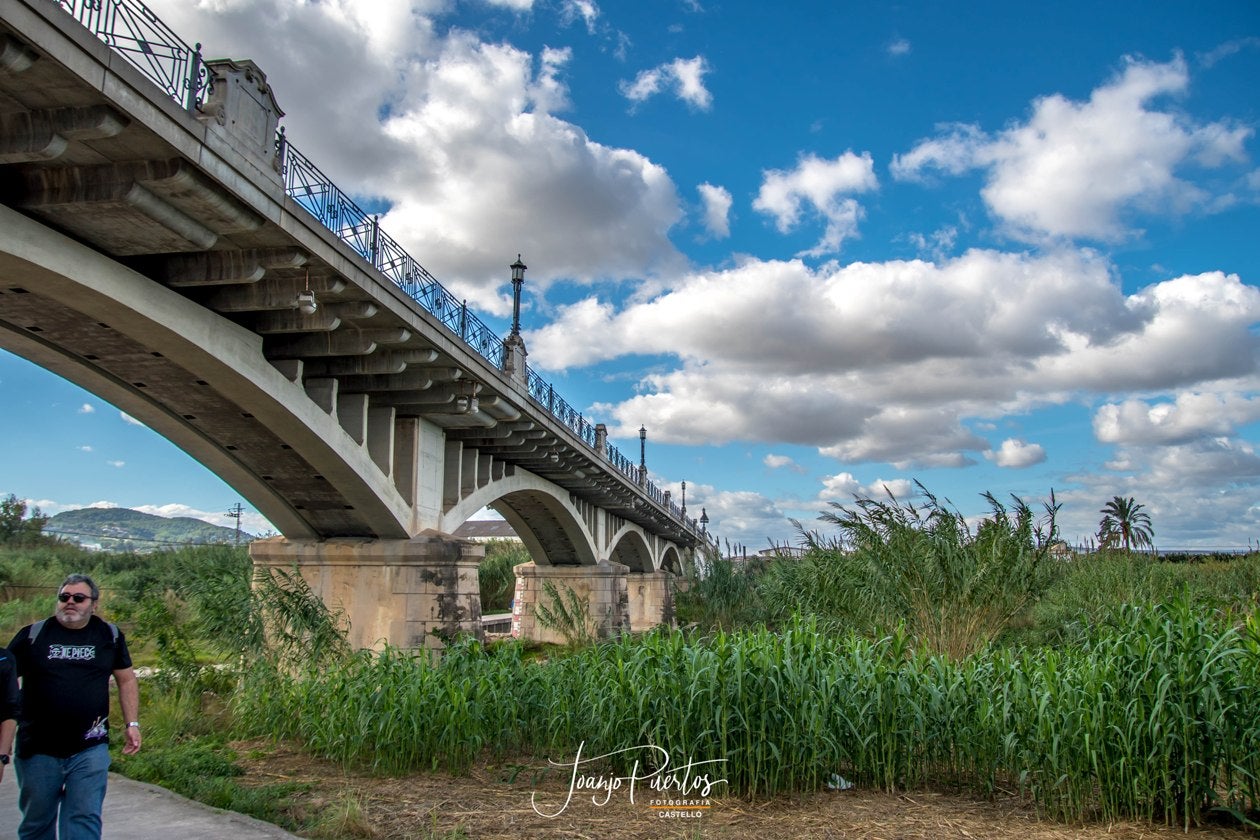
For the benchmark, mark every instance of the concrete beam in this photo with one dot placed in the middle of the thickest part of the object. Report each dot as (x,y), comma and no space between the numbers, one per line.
(217,268)
(379,363)
(15,56)
(144,207)
(339,343)
(34,136)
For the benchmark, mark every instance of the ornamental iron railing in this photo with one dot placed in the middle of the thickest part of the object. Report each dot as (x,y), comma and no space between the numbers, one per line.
(132,30)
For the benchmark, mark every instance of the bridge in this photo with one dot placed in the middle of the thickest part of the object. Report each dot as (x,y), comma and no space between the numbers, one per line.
(166,247)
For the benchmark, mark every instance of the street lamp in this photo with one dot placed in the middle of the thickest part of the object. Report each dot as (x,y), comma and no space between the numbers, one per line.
(704,521)
(518,280)
(642,453)
(684,501)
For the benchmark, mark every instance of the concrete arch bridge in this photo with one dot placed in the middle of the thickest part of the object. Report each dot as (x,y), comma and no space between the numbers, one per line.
(164,247)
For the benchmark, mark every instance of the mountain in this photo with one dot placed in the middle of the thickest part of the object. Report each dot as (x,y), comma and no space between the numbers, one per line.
(130,530)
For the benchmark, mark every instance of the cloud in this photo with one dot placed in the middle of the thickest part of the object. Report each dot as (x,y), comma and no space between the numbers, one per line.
(717,209)
(894,362)
(898,47)
(844,487)
(1016,454)
(685,76)
(117,464)
(1202,491)
(584,10)
(782,462)
(87,408)
(823,186)
(127,418)
(1080,169)
(1189,417)
(85,448)
(471,159)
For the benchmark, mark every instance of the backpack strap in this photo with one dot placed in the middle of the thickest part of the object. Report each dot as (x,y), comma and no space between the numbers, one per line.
(38,627)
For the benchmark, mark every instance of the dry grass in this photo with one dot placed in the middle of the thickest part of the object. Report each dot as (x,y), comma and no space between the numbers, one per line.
(494,801)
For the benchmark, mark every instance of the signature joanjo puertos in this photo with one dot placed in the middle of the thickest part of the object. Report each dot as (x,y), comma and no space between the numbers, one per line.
(651,766)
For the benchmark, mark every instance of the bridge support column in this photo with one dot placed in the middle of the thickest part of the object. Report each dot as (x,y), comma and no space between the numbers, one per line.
(651,601)
(602,588)
(410,593)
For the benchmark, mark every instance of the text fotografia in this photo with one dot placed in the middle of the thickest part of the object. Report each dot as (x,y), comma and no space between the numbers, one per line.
(678,788)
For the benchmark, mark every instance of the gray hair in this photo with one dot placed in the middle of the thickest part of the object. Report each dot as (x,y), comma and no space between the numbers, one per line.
(78,578)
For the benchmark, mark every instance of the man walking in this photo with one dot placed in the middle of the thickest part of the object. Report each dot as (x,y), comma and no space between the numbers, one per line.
(62,758)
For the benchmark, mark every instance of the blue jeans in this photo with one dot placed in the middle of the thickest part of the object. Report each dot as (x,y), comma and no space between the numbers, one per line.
(62,797)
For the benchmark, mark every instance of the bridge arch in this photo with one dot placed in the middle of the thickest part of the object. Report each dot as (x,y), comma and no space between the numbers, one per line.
(631,547)
(195,378)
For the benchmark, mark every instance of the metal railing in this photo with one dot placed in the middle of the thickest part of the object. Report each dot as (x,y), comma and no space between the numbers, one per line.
(132,30)
(135,32)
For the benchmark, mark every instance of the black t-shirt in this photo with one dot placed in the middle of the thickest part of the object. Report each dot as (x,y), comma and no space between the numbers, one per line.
(65,686)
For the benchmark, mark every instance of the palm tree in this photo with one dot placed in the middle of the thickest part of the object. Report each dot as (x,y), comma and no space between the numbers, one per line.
(1124,518)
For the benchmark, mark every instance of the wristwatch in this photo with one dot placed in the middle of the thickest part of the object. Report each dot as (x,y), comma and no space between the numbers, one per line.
(134,723)
(4,759)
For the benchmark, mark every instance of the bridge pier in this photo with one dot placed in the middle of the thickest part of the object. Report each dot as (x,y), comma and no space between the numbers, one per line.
(651,600)
(602,588)
(409,593)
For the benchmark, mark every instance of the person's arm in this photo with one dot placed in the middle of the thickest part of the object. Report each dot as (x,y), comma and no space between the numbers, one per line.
(129,700)
(7,729)
(8,708)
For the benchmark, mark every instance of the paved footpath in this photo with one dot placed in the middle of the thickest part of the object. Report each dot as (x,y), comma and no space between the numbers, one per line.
(137,811)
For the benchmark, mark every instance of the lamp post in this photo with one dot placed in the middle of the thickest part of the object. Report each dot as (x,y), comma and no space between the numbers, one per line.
(518,280)
(684,501)
(704,521)
(642,454)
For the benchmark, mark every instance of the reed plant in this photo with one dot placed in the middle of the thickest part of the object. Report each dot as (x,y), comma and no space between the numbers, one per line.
(953,588)
(1154,719)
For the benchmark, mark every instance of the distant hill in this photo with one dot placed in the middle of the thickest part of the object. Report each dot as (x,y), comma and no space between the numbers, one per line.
(124,529)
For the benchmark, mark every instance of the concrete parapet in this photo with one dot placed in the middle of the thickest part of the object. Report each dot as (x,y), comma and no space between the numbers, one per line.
(410,593)
(602,587)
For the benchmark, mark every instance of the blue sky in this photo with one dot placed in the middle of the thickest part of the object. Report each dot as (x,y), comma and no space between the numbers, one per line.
(817,249)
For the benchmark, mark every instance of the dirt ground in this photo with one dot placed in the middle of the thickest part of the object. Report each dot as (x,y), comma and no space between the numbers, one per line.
(504,800)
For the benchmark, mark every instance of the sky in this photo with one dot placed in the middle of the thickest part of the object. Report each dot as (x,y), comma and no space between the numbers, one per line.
(819,250)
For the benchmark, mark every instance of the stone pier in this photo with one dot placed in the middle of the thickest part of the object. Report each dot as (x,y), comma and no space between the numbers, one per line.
(651,600)
(602,588)
(410,593)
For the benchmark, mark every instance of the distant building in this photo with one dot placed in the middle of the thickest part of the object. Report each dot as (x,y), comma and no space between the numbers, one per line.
(485,530)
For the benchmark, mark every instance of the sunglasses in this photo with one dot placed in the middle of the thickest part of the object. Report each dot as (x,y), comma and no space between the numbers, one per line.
(77,597)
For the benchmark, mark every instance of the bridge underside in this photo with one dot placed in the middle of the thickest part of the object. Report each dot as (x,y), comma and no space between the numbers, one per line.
(152,255)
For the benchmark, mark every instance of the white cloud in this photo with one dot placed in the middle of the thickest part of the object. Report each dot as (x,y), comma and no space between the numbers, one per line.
(782,462)
(1191,416)
(85,448)
(822,185)
(717,209)
(684,76)
(87,408)
(1079,169)
(584,10)
(898,47)
(1016,454)
(894,362)
(117,464)
(1204,492)
(471,159)
(127,418)
(844,487)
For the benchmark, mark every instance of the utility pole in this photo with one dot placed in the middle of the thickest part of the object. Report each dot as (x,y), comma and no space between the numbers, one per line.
(235,512)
